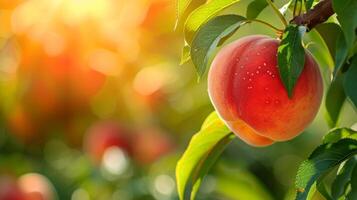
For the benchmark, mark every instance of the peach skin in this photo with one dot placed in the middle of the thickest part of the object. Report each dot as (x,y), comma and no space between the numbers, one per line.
(246,90)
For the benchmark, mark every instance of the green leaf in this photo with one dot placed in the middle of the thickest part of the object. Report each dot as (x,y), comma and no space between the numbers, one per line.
(343,177)
(352,195)
(291,57)
(321,187)
(202,14)
(181,5)
(298,5)
(210,120)
(208,37)
(185,56)
(319,49)
(340,53)
(312,192)
(210,159)
(337,134)
(350,83)
(347,16)
(329,32)
(202,152)
(285,7)
(322,160)
(339,185)
(255,8)
(335,99)
(308,4)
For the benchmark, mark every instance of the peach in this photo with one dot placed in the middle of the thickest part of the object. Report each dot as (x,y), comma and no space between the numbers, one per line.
(151,144)
(103,135)
(247,92)
(36,187)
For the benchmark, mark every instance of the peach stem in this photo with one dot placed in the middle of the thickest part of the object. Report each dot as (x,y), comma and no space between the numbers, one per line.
(267,24)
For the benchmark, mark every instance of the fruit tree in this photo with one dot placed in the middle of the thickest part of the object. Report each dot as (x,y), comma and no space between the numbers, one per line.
(268,89)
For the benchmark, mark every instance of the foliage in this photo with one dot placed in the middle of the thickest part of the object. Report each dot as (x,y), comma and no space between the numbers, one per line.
(203,150)
(208,37)
(291,57)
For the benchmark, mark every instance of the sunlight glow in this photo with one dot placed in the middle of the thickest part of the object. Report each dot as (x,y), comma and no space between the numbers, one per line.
(115,161)
(164,184)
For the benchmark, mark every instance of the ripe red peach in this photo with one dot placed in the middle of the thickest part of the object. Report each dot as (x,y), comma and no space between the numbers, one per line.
(103,135)
(247,92)
(151,144)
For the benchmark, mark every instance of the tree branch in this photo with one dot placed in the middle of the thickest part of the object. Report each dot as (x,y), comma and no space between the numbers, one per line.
(317,15)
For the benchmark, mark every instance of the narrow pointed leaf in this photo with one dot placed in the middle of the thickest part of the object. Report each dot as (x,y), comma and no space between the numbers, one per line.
(208,37)
(350,83)
(318,48)
(255,8)
(321,187)
(347,16)
(352,195)
(181,5)
(285,7)
(340,53)
(335,99)
(308,4)
(329,32)
(322,160)
(291,57)
(185,55)
(203,150)
(204,13)
(205,165)
(339,133)
(343,178)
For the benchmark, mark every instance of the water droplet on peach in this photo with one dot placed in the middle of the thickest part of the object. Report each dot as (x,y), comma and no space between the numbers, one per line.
(264,64)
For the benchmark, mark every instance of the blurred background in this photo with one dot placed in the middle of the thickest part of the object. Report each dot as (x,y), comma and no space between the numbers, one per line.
(94,105)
